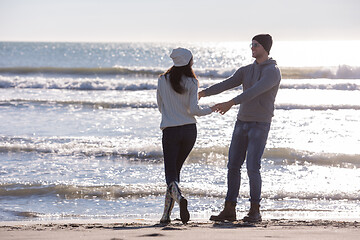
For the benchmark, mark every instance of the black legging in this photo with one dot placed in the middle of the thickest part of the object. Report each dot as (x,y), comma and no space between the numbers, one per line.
(177,144)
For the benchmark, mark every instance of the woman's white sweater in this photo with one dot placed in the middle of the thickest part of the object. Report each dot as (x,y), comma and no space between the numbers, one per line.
(179,109)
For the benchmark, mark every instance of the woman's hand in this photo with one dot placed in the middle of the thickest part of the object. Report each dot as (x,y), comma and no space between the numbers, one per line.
(201,94)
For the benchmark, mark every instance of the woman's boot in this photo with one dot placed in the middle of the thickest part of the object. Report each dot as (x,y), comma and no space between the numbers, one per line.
(228,214)
(176,195)
(254,214)
(169,204)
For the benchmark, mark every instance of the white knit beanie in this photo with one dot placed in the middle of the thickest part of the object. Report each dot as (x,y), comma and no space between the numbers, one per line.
(181,57)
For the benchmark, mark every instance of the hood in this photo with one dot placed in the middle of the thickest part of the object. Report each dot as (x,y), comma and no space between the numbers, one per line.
(270,61)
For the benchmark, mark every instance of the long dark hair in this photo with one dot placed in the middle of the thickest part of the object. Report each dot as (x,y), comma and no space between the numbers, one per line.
(174,74)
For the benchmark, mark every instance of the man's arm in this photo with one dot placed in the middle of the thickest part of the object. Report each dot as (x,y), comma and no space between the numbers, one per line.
(233,81)
(271,78)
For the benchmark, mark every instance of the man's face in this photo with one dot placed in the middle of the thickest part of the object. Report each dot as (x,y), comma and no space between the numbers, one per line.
(257,49)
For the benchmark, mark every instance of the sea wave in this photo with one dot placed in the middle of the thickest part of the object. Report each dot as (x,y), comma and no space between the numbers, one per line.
(128,104)
(340,72)
(140,84)
(110,192)
(83,83)
(82,71)
(212,155)
(325,85)
(80,192)
(90,104)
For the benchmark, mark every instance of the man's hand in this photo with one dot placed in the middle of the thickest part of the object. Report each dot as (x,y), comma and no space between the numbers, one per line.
(201,94)
(222,108)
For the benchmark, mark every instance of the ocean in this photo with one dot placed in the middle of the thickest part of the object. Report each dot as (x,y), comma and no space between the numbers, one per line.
(80,136)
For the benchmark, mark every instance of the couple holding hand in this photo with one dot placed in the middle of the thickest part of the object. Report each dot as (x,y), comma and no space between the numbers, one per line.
(177,98)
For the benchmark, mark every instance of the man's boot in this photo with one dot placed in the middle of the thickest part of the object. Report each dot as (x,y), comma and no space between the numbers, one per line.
(229,213)
(169,204)
(254,214)
(176,195)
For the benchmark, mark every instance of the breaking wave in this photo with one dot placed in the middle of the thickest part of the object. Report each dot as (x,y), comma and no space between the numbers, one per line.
(110,192)
(101,84)
(129,104)
(212,155)
(340,72)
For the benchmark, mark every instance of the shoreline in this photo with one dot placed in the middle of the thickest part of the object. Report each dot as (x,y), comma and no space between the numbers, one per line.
(117,229)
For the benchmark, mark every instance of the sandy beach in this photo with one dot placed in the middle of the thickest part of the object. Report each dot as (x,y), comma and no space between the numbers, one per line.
(199,229)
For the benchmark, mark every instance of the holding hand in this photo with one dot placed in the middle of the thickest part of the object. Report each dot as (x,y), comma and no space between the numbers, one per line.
(222,108)
(213,108)
(201,94)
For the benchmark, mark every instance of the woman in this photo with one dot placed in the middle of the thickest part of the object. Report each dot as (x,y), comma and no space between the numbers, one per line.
(177,98)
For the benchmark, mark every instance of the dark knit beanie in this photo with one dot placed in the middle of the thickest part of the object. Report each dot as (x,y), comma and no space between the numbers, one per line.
(265,40)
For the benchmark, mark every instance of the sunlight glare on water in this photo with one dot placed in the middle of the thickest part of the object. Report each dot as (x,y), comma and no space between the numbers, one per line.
(316,53)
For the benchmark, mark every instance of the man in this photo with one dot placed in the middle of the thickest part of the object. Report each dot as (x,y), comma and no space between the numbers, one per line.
(260,82)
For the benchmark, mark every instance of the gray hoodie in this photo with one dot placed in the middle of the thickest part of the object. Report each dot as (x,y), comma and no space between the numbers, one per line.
(260,85)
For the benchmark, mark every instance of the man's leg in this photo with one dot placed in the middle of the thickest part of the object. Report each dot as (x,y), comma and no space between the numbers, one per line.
(258,133)
(237,153)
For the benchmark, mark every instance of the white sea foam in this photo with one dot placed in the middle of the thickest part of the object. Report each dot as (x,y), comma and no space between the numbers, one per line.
(107,148)
(110,192)
(143,83)
(340,72)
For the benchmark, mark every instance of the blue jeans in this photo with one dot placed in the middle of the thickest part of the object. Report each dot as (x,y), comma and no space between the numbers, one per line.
(248,141)
(177,144)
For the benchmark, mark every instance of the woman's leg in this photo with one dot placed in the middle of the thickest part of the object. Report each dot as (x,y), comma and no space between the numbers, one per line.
(188,139)
(177,144)
(171,147)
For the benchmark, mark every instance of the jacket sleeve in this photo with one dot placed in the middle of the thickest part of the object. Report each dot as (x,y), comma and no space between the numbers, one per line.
(194,107)
(269,79)
(235,80)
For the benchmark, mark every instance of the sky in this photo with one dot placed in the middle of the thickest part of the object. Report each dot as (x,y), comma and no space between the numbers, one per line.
(182,20)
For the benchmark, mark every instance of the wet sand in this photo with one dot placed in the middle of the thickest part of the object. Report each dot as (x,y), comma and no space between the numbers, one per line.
(199,229)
